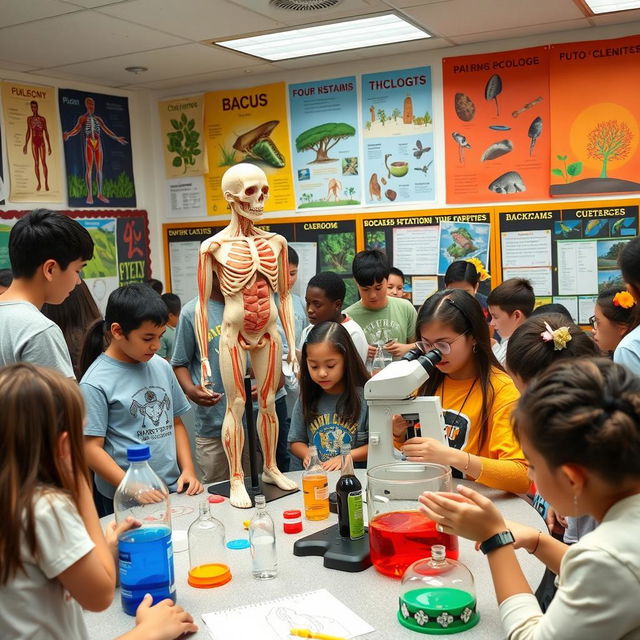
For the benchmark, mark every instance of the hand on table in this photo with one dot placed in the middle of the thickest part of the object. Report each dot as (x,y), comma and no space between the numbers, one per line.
(426,450)
(202,397)
(332,464)
(163,621)
(194,485)
(466,513)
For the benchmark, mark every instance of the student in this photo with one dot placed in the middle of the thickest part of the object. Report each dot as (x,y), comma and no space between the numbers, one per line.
(74,316)
(6,278)
(47,252)
(324,297)
(465,275)
(210,408)
(173,307)
(331,410)
(155,284)
(612,317)
(54,558)
(579,425)
(510,304)
(299,312)
(477,397)
(386,321)
(395,283)
(628,350)
(553,307)
(132,396)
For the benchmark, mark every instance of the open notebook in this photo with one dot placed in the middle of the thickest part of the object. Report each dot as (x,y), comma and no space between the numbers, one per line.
(318,611)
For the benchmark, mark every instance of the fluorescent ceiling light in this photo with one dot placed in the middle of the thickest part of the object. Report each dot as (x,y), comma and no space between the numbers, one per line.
(609,6)
(328,38)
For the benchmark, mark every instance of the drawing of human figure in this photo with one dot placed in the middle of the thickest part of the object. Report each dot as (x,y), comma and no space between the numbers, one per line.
(37,132)
(91,125)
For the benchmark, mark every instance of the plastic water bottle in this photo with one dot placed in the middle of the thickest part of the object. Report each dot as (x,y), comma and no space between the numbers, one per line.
(145,553)
(262,536)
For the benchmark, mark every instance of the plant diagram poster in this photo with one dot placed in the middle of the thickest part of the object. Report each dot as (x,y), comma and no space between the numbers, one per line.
(496,116)
(398,136)
(181,125)
(97,149)
(461,241)
(32,138)
(324,132)
(248,125)
(595,107)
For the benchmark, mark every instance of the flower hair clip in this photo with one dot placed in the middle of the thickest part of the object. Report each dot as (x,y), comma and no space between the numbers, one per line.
(560,337)
(483,274)
(624,300)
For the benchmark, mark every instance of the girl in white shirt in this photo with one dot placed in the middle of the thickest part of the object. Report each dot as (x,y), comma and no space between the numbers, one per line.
(579,426)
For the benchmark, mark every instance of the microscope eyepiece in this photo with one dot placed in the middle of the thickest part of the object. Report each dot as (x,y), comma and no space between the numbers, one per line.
(430,359)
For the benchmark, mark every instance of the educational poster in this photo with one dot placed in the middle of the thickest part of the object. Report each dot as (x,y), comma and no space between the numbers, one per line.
(248,125)
(308,258)
(325,141)
(182,135)
(398,136)
(496,113)
(97,149)
(3,192)
(134,264)
(461,241)
(32,138)
(5,230)
(594,106)
(186,197)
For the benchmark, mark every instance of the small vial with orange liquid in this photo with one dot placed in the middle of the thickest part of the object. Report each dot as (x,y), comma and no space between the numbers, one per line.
(315,487)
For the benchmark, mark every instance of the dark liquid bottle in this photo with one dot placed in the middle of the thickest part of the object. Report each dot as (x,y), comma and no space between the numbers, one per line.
(349,492)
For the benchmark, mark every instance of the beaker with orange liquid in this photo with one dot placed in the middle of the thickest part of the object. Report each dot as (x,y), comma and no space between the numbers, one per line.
(315,488)
(399,534)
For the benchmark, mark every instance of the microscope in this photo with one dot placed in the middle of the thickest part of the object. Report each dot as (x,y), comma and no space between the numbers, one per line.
(392,391)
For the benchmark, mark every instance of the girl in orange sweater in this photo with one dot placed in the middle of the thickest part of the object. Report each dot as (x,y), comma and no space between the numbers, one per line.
(477,397)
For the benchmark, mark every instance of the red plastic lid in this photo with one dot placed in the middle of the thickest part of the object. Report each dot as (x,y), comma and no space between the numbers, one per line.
(292,513)
(214,498)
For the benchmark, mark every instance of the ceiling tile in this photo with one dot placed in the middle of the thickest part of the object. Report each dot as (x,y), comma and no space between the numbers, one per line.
(76,37)
(15,66)
(623,17)
(19,11)
(193,19)
(92,4)
(404,4)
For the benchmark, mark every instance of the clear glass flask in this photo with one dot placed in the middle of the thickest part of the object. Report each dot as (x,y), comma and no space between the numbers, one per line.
(262,536)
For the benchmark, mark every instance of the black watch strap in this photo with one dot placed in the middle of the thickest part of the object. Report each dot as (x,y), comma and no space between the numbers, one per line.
(495,542)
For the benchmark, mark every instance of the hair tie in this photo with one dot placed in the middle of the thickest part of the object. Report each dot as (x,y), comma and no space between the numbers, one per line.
(610,405)
(624,300)
(560,337)
(483,274)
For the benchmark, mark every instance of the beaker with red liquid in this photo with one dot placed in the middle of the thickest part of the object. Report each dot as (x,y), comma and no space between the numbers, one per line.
(399,534)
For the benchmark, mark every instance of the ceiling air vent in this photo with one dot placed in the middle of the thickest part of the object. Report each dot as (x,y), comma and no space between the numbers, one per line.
(303,5)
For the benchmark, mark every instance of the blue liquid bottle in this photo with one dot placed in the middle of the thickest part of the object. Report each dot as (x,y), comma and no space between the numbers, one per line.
(145,553)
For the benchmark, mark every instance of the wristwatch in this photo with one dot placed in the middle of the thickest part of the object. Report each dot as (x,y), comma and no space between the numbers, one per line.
(495,542)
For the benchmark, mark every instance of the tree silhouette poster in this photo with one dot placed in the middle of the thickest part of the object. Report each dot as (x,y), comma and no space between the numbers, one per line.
(97,149)
(397,116)
(595,102)
(324,131)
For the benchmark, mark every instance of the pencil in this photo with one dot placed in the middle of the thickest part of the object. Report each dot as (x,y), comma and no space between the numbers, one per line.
(306,633)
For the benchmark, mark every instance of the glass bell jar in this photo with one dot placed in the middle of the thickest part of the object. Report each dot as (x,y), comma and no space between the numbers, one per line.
(438,596)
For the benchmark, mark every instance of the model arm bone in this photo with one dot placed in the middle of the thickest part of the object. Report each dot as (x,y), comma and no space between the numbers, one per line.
(286,306)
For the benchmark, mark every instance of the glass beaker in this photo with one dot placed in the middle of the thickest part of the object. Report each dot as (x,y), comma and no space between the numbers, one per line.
(399,534)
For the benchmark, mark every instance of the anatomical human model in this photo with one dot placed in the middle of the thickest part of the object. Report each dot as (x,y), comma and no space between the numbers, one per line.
(251,266)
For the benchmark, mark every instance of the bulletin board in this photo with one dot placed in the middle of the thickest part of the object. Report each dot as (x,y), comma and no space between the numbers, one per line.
(121,252)
(322,244)
(569,252)
(422,244)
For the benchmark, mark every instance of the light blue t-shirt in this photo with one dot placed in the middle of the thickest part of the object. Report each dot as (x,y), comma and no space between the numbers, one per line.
(299,316)
(132,404)
(627,352)
(186,353)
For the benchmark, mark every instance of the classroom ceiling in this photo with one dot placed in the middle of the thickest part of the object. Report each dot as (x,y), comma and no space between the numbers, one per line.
(94,40)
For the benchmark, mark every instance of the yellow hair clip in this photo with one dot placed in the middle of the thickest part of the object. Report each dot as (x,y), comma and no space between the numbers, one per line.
(560,337)
(482,272)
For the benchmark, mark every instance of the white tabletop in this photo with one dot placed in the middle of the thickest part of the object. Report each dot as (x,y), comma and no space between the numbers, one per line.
(371,595)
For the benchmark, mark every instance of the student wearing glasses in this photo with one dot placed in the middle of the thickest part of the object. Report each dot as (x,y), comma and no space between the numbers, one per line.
(477,397)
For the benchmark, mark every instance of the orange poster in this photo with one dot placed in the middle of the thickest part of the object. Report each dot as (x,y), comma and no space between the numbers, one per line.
(496,115)
(595,105)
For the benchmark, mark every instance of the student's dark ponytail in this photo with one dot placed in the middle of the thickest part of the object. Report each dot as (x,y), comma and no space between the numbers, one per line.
(94,344)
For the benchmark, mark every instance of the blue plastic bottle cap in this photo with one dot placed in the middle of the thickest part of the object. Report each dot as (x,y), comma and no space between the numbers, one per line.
(238,543)
(138,452)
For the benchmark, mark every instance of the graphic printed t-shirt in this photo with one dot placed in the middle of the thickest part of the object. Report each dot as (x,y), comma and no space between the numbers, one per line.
(186,353)
(328,431)
(397,321)
(26,335)
(134,404)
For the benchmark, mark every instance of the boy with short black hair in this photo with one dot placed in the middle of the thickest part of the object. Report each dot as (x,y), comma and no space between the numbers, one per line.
(510,304)
(325,295)
(386,321)
(47,251)
(166,341)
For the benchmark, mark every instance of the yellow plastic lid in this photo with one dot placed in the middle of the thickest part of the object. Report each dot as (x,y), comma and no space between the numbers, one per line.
(207,576)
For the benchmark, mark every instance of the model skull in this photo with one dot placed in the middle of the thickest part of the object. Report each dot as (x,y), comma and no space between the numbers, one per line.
(246,186)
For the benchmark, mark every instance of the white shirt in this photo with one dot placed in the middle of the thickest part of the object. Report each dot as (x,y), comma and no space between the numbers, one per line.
(34,605)
(598,595)
(500,351)
(627,352)
(355,331)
